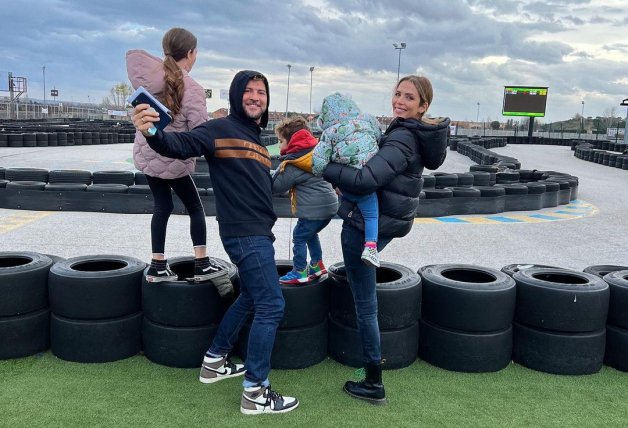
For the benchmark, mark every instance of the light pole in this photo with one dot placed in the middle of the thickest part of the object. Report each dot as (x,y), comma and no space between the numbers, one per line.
(399,47)
(477,117)
(44,71)
(625,104)
(311,71)
(581,120)
(288,90)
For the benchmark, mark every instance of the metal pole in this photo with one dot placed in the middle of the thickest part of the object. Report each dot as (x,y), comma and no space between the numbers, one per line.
(399,47)
(311,71)
(288,90)
(44,70)
(581,120)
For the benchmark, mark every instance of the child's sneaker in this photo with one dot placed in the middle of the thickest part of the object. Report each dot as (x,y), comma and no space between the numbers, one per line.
(159,275)
(219,368)
(205,269)
(316,270)
(261,399)
(295,277)
(370,256)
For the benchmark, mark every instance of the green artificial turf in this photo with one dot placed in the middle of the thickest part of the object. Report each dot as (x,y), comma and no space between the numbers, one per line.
(273,150)
(45,391)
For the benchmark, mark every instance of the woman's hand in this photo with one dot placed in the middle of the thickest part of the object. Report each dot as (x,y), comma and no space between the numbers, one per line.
(143,118)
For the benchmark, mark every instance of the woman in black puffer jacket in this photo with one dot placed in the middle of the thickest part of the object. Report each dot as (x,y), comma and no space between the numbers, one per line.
(410,144)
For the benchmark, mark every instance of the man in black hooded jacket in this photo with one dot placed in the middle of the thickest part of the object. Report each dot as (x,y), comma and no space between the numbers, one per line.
(240,169)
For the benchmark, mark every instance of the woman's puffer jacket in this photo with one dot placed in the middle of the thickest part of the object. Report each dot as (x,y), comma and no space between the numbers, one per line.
(146,70)
(406,148)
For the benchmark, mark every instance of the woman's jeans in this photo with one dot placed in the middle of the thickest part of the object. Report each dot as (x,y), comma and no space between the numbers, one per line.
(260,294)
(362,280)
(367,204)
(186,190)
(305,237)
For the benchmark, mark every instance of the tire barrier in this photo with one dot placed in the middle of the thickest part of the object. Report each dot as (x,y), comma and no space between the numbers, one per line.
(596,151)
(560,321)
(301,339)
(466,322)
(24,309)
(616,355)
(181,318)
(46,134)
(398,291)
(443,193)
(96,308)
(603,270)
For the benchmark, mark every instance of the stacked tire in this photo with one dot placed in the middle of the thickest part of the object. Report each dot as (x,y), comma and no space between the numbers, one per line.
(398,291)
(616,354)
(24,311)
(466,322)
(560,321)
(96,308)
(301,339)
(181,318)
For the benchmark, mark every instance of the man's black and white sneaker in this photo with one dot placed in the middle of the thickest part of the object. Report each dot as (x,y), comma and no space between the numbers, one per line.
(261,399)
(219,368)
(158,275)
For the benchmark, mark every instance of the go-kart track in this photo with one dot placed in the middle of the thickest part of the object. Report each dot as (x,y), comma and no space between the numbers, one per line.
(589,231)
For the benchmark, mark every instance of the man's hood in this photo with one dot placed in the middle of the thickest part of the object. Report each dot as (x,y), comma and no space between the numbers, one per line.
(236,92)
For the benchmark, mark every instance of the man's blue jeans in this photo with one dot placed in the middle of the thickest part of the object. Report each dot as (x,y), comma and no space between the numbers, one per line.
(362,281)
(304,237)
(261,295)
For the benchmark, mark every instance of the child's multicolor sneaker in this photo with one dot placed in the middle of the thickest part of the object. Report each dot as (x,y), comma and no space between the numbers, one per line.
(295,277)
(316,270)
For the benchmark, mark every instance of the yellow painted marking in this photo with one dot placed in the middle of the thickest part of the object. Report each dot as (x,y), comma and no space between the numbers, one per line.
(481,220)
(525,218)
(16,221)
(426,220)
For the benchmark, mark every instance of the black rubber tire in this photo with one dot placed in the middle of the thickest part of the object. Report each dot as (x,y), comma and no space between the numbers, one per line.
(181,303)
(306,304)
(294,348)
(514,189)
(480,178)
(463,351)
(399,347)
(444,179)
(26,185)
(96,341)
(96,287)
(467,297)
(65,187)
(398,291)
(603,270)
(141,189)
(491,191)
(618,303)
(510,270)
(558,352)
(465,192)
(24,335)
(616,354)
(438,193)
(561,300)
(70,176)
(113,177)
(23,282)
(26,174)
(140,178)
(182,347)
(108,188)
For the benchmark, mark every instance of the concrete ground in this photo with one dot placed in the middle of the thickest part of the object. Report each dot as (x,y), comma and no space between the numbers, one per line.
(601,238)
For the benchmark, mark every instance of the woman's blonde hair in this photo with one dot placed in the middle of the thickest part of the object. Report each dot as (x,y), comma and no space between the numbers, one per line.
(426,93)
(288,127)
(177,43)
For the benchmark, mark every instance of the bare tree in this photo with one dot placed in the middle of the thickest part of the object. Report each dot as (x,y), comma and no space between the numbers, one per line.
(119,93)
(610,114)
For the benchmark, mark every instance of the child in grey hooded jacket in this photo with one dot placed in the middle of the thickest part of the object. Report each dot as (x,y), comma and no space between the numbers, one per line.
(350,137)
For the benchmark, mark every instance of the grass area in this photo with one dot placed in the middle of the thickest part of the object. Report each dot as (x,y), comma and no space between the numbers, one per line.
(45,391)
(273,150)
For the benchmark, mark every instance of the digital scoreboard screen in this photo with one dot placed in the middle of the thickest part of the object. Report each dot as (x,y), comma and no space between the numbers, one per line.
(524,101)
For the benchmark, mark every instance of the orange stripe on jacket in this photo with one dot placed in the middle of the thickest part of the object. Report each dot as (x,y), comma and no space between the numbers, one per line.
(241,149)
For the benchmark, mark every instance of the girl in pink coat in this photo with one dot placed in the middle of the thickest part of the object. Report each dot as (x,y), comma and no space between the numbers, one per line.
(168,80)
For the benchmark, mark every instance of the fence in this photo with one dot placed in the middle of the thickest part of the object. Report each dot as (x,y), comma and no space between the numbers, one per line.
(24,110)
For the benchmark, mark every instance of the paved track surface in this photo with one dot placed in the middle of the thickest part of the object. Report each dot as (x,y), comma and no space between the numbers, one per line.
(601,238)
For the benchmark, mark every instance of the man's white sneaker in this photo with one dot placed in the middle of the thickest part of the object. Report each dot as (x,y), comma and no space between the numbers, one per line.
(261,399)
(219,368)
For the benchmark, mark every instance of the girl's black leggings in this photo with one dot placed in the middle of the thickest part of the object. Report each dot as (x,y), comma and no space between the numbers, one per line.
(185,189)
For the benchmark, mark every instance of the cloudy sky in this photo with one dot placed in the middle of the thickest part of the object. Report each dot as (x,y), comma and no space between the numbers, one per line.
(470,49)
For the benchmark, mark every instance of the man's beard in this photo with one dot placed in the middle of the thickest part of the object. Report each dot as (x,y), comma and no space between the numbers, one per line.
(256,116)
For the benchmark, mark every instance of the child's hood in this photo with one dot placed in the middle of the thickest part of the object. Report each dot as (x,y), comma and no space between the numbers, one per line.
(337,108)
